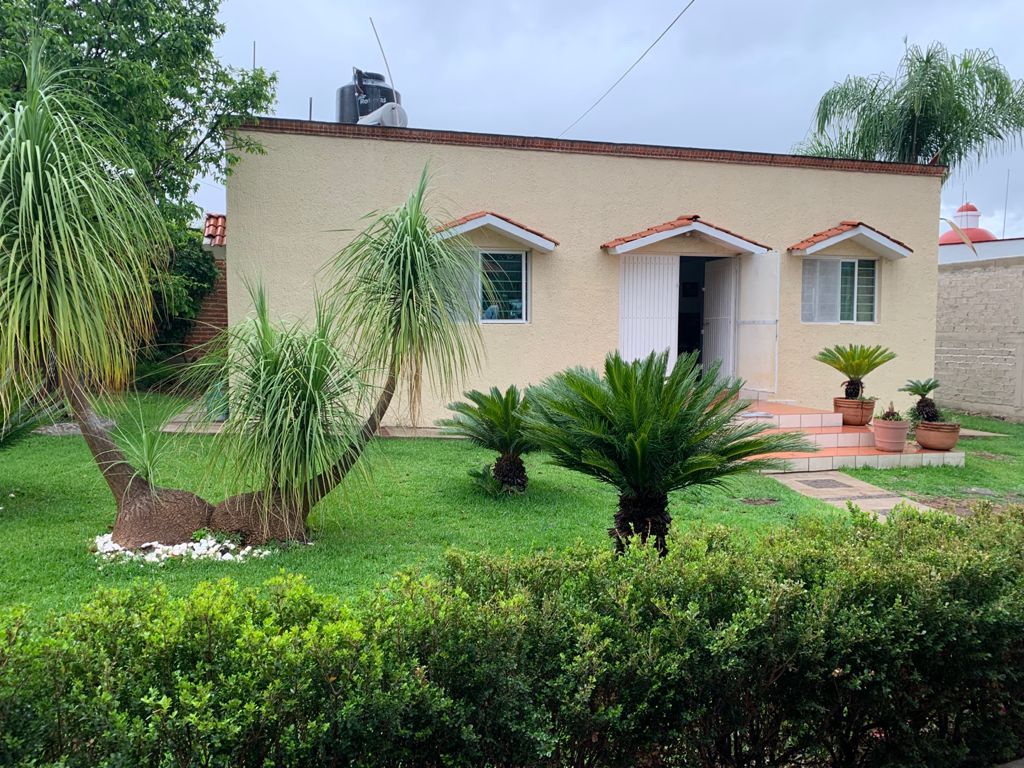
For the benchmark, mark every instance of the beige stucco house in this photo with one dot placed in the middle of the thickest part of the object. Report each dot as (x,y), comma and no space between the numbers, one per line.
(757,260)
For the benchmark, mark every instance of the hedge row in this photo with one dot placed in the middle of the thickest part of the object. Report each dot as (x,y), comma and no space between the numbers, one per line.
(898,644)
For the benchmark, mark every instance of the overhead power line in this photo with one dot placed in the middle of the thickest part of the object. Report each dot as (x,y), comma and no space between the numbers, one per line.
(631,68)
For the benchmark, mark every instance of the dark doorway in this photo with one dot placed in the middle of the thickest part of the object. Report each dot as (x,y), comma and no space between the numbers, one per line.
(691,303)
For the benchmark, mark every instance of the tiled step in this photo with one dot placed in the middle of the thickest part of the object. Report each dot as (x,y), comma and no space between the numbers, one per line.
(788,416)
(865,456)
(834,437)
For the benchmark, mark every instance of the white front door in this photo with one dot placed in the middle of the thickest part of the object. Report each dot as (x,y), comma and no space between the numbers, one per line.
(648,306)
(719,342)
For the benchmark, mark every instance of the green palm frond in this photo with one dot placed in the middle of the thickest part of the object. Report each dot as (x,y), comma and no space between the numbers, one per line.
(292,404)
(644,429)
(20,413)
(80,238)
(937,107)
(855,361)
(492,420)
(920,388)
(406,297)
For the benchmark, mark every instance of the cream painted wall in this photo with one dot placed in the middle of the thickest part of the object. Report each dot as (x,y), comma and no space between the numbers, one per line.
(295,206)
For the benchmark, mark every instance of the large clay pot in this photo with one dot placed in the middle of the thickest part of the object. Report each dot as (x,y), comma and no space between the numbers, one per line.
(856,413)
(891,435)
(937,435)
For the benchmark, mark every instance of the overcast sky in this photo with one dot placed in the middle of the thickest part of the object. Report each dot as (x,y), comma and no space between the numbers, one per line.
(731,74)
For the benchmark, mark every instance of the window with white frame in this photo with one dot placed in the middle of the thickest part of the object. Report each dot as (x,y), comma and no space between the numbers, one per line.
(839,291)
(503,287)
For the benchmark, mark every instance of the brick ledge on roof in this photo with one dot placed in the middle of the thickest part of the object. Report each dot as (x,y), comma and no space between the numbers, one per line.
(575,146)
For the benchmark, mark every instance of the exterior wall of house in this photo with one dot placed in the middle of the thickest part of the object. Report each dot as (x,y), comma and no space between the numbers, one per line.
(979,357)
(295,206)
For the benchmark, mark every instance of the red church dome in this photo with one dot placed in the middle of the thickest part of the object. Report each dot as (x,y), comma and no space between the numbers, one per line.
(967,218)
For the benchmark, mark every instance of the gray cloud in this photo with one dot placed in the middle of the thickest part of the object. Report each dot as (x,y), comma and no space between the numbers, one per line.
(731,74)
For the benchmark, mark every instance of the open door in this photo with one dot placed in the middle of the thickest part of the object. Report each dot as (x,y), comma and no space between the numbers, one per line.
(720,277)
(648,306)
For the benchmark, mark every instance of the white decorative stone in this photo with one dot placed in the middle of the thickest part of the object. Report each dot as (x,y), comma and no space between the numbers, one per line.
(207,548)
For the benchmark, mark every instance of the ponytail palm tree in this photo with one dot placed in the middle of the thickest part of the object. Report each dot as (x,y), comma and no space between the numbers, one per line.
(402,300)
(80,243)
(647,431)
(937,108)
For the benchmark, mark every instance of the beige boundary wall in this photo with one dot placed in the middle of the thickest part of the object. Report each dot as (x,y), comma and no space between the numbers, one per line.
(979,354)
(295,206)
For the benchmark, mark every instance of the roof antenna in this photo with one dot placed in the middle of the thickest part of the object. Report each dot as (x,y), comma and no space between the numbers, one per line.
(254,54)
(311,108)
(383,55)
(1006,202)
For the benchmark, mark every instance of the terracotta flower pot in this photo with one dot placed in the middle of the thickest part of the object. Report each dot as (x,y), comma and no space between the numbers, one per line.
(891,435)
(937,435)
(856,413)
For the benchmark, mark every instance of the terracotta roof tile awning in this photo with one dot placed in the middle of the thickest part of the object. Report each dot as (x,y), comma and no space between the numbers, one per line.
(510,228)
(861,233)
(680,226)
(215,230)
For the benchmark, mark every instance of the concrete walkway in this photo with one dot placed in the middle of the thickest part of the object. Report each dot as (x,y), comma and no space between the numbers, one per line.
(837,488)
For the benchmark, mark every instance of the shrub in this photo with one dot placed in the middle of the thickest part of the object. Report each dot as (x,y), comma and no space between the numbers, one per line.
(855,362)
(870,644)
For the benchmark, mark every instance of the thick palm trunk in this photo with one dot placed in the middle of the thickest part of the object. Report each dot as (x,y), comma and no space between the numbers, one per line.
(510,471)
(259,517)
(145,513)
(645,516)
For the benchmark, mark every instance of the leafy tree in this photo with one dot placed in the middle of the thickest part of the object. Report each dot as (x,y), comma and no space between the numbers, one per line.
(151,67)
(80,242)
(937,108)
(646,431)
(494,420)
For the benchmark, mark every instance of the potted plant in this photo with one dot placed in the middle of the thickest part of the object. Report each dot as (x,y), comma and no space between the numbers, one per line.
(891,430)
(931,429)
(854,361)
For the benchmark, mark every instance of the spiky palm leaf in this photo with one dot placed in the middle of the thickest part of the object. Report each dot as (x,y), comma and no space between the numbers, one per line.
(80,238)
(492,420)
(292,402)
(646,430)
(925,408)
(920,387)
(855,361)
(405,295)
(20,414)
(938,107)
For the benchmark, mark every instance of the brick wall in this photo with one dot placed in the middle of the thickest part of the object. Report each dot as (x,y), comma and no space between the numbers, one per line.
(213,315)
(979,344)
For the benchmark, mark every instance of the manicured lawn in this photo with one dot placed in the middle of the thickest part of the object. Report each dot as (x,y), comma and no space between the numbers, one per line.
(994,471)
(417,502)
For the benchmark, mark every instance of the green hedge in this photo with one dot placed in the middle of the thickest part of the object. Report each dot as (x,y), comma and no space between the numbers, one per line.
(898,644)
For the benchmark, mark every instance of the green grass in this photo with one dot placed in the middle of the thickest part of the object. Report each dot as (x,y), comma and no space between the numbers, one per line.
(417,503)
(994,464)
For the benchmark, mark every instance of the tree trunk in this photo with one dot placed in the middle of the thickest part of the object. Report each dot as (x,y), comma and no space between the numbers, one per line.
(145,513)
(645,516)
(853,388)
(259,517)
(510,471)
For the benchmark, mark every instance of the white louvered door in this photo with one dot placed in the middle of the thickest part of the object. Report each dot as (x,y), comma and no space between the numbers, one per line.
(648,306)
(720,315)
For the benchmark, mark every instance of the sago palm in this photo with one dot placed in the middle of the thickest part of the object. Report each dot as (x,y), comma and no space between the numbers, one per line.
(81,241)
(495,420)
(854,361)
(647,431)
(925,408)
(937,108)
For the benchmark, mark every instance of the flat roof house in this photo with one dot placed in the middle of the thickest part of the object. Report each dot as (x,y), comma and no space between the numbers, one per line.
(757,260)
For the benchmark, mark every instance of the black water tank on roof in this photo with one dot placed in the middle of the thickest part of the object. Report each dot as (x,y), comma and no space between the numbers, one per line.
(367,91)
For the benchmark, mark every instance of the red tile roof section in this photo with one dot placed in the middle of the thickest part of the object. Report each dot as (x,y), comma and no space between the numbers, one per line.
(843,226)
(678,223)
(215,230)
(480,214)
(572,146)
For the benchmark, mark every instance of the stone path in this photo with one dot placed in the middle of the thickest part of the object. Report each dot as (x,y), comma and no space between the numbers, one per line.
(837,488)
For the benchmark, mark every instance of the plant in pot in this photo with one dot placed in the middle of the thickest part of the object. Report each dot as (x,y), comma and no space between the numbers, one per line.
(891,430)
(932,429)
(854,361)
